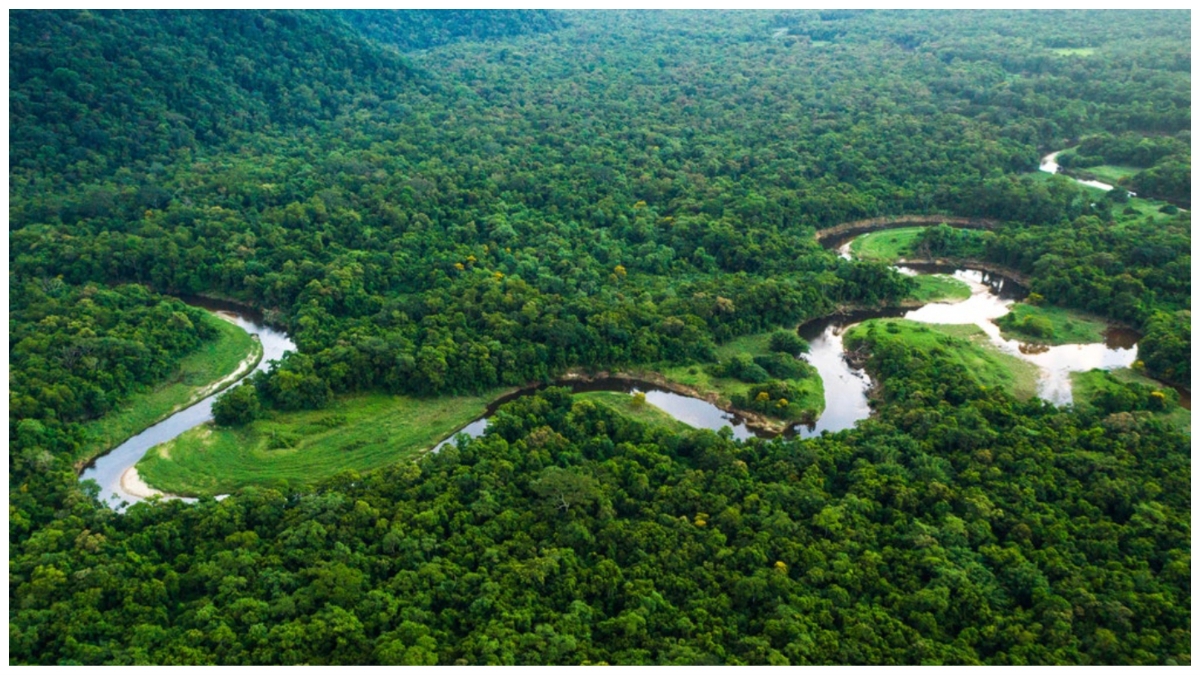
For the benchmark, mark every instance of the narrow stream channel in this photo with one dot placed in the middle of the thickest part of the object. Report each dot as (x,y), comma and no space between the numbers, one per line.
(1049,164)
(113,470)
(846,387)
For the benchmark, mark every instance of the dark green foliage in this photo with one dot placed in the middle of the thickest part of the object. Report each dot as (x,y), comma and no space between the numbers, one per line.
(1131,396)
(1166,348)
(1036,326)
(293,385)
(774,397)
(1130,149)
(745,368)
(1167,160)
(606,190)
(788,342)
(1170,179)
(421,29)
(945,241)
(75,352)
(237,406)
(991,532)
(784,366)
(96,90)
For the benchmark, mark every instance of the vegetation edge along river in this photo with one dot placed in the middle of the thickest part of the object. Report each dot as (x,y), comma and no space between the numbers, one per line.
(114,469)
(753,420)
(438,219)
(233,355)
(155,464)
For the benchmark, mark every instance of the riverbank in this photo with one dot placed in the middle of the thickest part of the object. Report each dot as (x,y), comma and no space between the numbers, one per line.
(133,484)
(209,369)
(362,432)
(966,345)
(635,377)
(1089,384)
(1051,325)
(634,408)
(356,432)
(844,231)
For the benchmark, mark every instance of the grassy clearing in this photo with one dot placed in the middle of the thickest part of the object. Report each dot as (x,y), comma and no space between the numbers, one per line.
(627,405)
(886,245)
(1074,51)
(209,363)
(1086,385)
(1051,325)
(1111,173)
(809,403)
(1094,192)
(1143,208)
(939,288)
(966,345)
(359,432)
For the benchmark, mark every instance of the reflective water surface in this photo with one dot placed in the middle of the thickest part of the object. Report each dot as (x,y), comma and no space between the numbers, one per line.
(846,386)
(1049,164)
(108,469)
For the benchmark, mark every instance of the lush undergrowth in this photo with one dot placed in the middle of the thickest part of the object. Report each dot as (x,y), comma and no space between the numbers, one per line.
(601,191)
(234,349)
(1125,389)
(967,347)
(801,384)
(298,449)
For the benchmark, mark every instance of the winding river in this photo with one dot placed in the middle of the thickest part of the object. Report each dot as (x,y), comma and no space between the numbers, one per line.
(115,472)
(1049,164)
(846,387)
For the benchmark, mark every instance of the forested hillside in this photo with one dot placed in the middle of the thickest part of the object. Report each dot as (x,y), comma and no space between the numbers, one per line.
(94,92)
(439,203)
(421,29)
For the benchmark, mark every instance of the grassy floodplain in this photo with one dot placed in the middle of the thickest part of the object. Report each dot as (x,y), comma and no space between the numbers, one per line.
(628,406)
(1086,385)
(939,288)
(699,377)
(1051,325)
(886,245)
(966,345)
(892,245)
(194,380)
(1111,173)
(359,432)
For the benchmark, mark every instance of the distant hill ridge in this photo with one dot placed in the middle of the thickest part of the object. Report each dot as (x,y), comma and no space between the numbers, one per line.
(421,29)
(122,86)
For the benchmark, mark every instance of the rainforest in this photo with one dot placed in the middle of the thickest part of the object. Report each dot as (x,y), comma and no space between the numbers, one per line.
(426,337)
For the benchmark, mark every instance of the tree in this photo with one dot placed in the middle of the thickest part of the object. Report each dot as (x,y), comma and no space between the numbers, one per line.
(788,342)
(237,406)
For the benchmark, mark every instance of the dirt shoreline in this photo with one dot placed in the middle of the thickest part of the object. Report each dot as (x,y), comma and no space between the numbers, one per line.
(133,484)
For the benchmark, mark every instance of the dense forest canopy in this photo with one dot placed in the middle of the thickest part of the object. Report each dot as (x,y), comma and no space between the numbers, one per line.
(447,202)
(420,29)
